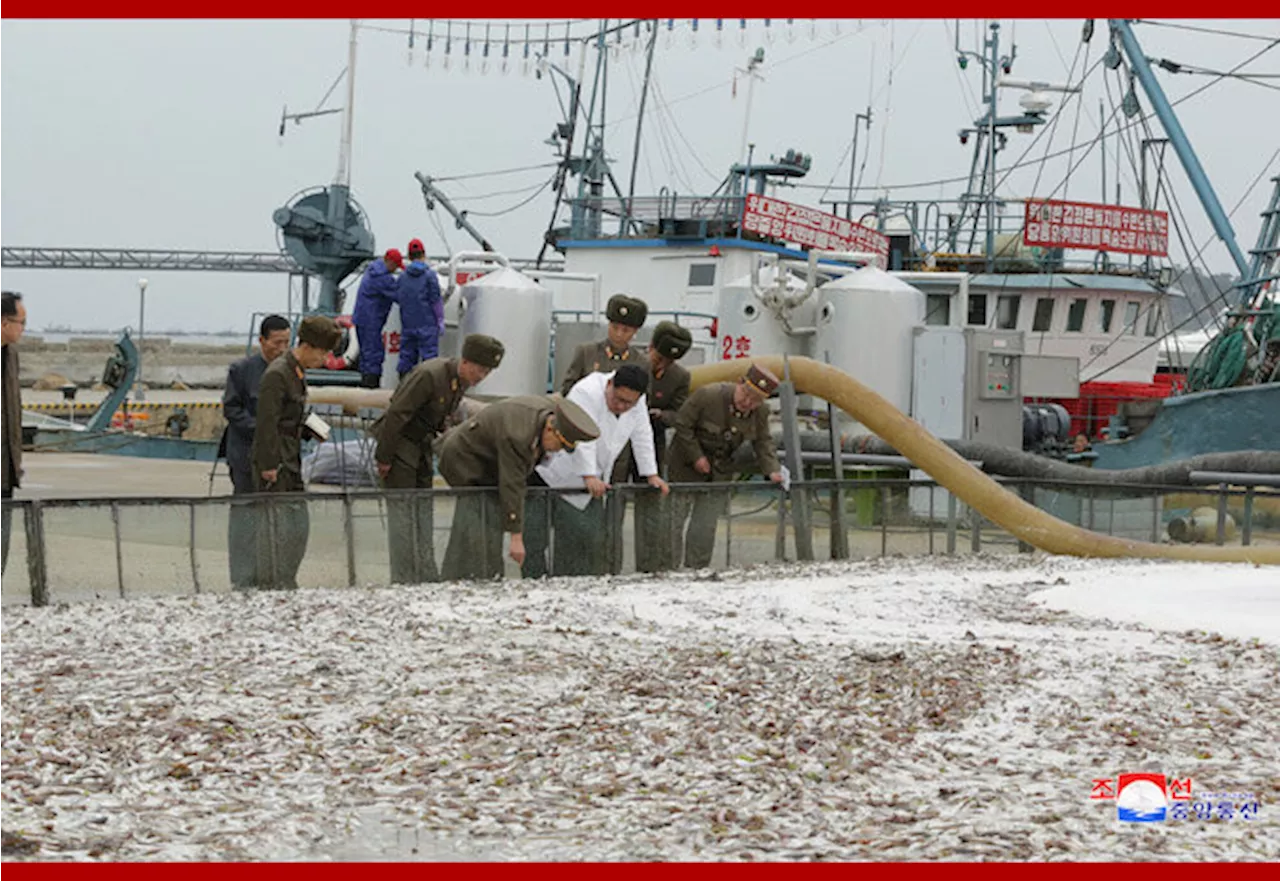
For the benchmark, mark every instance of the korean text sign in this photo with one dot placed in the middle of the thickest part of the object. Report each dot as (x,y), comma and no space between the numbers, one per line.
(811,228)
(1052,224)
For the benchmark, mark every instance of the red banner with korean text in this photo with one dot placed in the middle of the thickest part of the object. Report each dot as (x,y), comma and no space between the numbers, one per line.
(811,228)
(1053,224)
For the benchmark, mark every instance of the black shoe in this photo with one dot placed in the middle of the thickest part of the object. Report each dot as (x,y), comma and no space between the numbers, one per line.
(370,380)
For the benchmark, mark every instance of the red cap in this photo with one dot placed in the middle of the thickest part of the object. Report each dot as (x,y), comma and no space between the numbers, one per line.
(415,247)
(395,257)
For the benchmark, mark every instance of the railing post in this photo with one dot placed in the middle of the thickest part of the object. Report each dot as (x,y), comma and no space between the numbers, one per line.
(951,524)
(349,536)
(1246,520)
(975,533)
(884,520)
(1028,493)
(115,533)
(37,570)
(801,522)
(1221,536)
(191,539)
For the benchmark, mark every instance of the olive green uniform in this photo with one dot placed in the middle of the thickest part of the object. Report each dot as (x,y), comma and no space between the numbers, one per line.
(419,409)
(667,393)
(277,444)
(599,357)
(709,425)
(498,447)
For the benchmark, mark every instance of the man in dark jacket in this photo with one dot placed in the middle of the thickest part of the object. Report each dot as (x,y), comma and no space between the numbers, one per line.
(668,390)
(13,321)
(240,407)
(499,447)
(277,451)
(711,425)
(626,316)
(419,410)
(421,310)
(374,299)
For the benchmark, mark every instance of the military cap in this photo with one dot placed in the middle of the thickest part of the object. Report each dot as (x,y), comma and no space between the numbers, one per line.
(631,311)
(484,350)
(320,331)
(761,380)
(671,340)
(573,424)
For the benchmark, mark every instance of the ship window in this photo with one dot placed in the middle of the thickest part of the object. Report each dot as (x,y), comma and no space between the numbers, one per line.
(937,310)
(1043,320)
(1131,318)
(702,275)
(1105,315)
(1075,315)
(1153,319)
(1007,311)
(978,309)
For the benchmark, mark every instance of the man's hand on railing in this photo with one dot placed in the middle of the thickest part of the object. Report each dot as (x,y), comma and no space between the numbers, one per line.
(658,483)
(596,486)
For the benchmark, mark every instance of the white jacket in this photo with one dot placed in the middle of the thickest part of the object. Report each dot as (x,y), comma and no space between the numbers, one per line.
(596,458)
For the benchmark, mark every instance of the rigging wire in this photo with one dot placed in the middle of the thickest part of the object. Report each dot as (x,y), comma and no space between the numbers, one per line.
(498,173)
(961,179)
(966,88)
(548,182)
(1203,30)
(513,192)
(1210,303)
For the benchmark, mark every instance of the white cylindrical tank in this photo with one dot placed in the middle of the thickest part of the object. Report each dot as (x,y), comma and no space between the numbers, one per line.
(866,321)
(517,310)
(748,327)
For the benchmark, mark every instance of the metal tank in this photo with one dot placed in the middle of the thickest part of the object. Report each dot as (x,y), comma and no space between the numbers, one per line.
(765,313)
(517,310)
(866,321)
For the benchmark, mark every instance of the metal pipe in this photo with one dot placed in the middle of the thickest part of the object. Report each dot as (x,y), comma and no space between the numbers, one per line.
(1234,478)
(1181,145)
(593,277)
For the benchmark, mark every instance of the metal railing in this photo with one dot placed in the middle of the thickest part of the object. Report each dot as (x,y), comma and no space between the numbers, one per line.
(63,550)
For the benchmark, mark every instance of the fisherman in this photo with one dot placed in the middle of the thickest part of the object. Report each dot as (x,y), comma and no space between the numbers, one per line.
(668,390)
(616,403)
(421,311)
(277,451)
(376,295)
(711,425)
(499,448)
(420,409)
(240,407)
(626,316)
(13,321)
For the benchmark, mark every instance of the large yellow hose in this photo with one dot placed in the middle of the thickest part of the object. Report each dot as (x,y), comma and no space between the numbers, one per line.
(935,458)
(976,489)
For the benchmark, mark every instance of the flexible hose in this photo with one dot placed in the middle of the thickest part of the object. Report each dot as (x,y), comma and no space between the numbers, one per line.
(980,492)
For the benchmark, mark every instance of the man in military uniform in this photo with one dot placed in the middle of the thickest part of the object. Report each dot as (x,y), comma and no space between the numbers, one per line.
(277,450)
(499,447)
(626,316)
(419,410)
(711,425)
(668,390)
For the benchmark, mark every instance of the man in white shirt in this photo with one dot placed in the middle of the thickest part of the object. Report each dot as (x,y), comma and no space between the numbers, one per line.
(616,401)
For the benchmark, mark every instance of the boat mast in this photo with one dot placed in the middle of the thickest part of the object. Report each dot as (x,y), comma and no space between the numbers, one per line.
(1182,146)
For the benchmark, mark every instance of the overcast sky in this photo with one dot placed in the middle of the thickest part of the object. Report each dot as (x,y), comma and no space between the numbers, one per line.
(160,134)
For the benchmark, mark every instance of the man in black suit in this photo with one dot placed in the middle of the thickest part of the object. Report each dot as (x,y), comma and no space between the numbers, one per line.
(240,406)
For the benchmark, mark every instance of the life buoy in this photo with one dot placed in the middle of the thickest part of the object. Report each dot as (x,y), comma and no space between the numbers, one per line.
(347,352)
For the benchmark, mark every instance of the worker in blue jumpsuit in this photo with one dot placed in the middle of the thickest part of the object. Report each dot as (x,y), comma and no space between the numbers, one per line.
(374,299)
(421,311)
